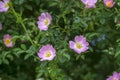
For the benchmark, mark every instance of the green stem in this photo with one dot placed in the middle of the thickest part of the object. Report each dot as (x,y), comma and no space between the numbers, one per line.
(26,32)
(21,22)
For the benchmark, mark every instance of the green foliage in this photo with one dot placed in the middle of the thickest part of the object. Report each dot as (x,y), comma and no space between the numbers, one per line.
(99,25)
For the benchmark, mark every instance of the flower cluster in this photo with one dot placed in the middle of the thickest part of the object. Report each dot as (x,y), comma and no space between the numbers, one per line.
(47,52)
(115,76)
(80,45)
(91,3)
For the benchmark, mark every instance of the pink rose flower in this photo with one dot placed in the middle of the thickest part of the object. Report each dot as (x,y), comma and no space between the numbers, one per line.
(80,45)
(4,6)
(8,40)
(44,21)
(115,76)
(89,3)
(109,3)
(47,52)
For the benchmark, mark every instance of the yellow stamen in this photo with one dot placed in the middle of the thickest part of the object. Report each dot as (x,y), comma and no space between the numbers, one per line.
(6,5)
(109,4)
(78,45)
(46,21)
(48,54)
(7,41)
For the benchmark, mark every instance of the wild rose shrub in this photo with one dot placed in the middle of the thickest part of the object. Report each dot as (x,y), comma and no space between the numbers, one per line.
(37,39)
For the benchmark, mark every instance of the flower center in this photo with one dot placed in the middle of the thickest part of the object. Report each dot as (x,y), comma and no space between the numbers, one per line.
(6,5)
(78,45)
(48,54)
(115,78)
(7,41)
(109,4)
(46,21)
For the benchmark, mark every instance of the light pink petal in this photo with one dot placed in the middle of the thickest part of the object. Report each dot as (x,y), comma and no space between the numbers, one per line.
(109,78)
(79,38)
(84,49)
(42,51)
(105,1)
(7,36)
(53,50)
(50,47)
(93,1)
(43,15)
(71,44)
(90,6)
(10,45)
(78,51)
(85,43)
(41,26)
(1,4)
(5,9)
(6,1)
(85,1)
(115,75)
(89,3)
(42,18)
(49,16)
(40,54)
(1,10)
(112,4)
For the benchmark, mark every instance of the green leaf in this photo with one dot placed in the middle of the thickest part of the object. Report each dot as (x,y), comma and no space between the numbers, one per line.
(19,53)
(5,61)
(10,57)
(23,46)
(67,56)
(27,56)
(29,7)
(30,52)
(83,57)
(14,38)
(117,53)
